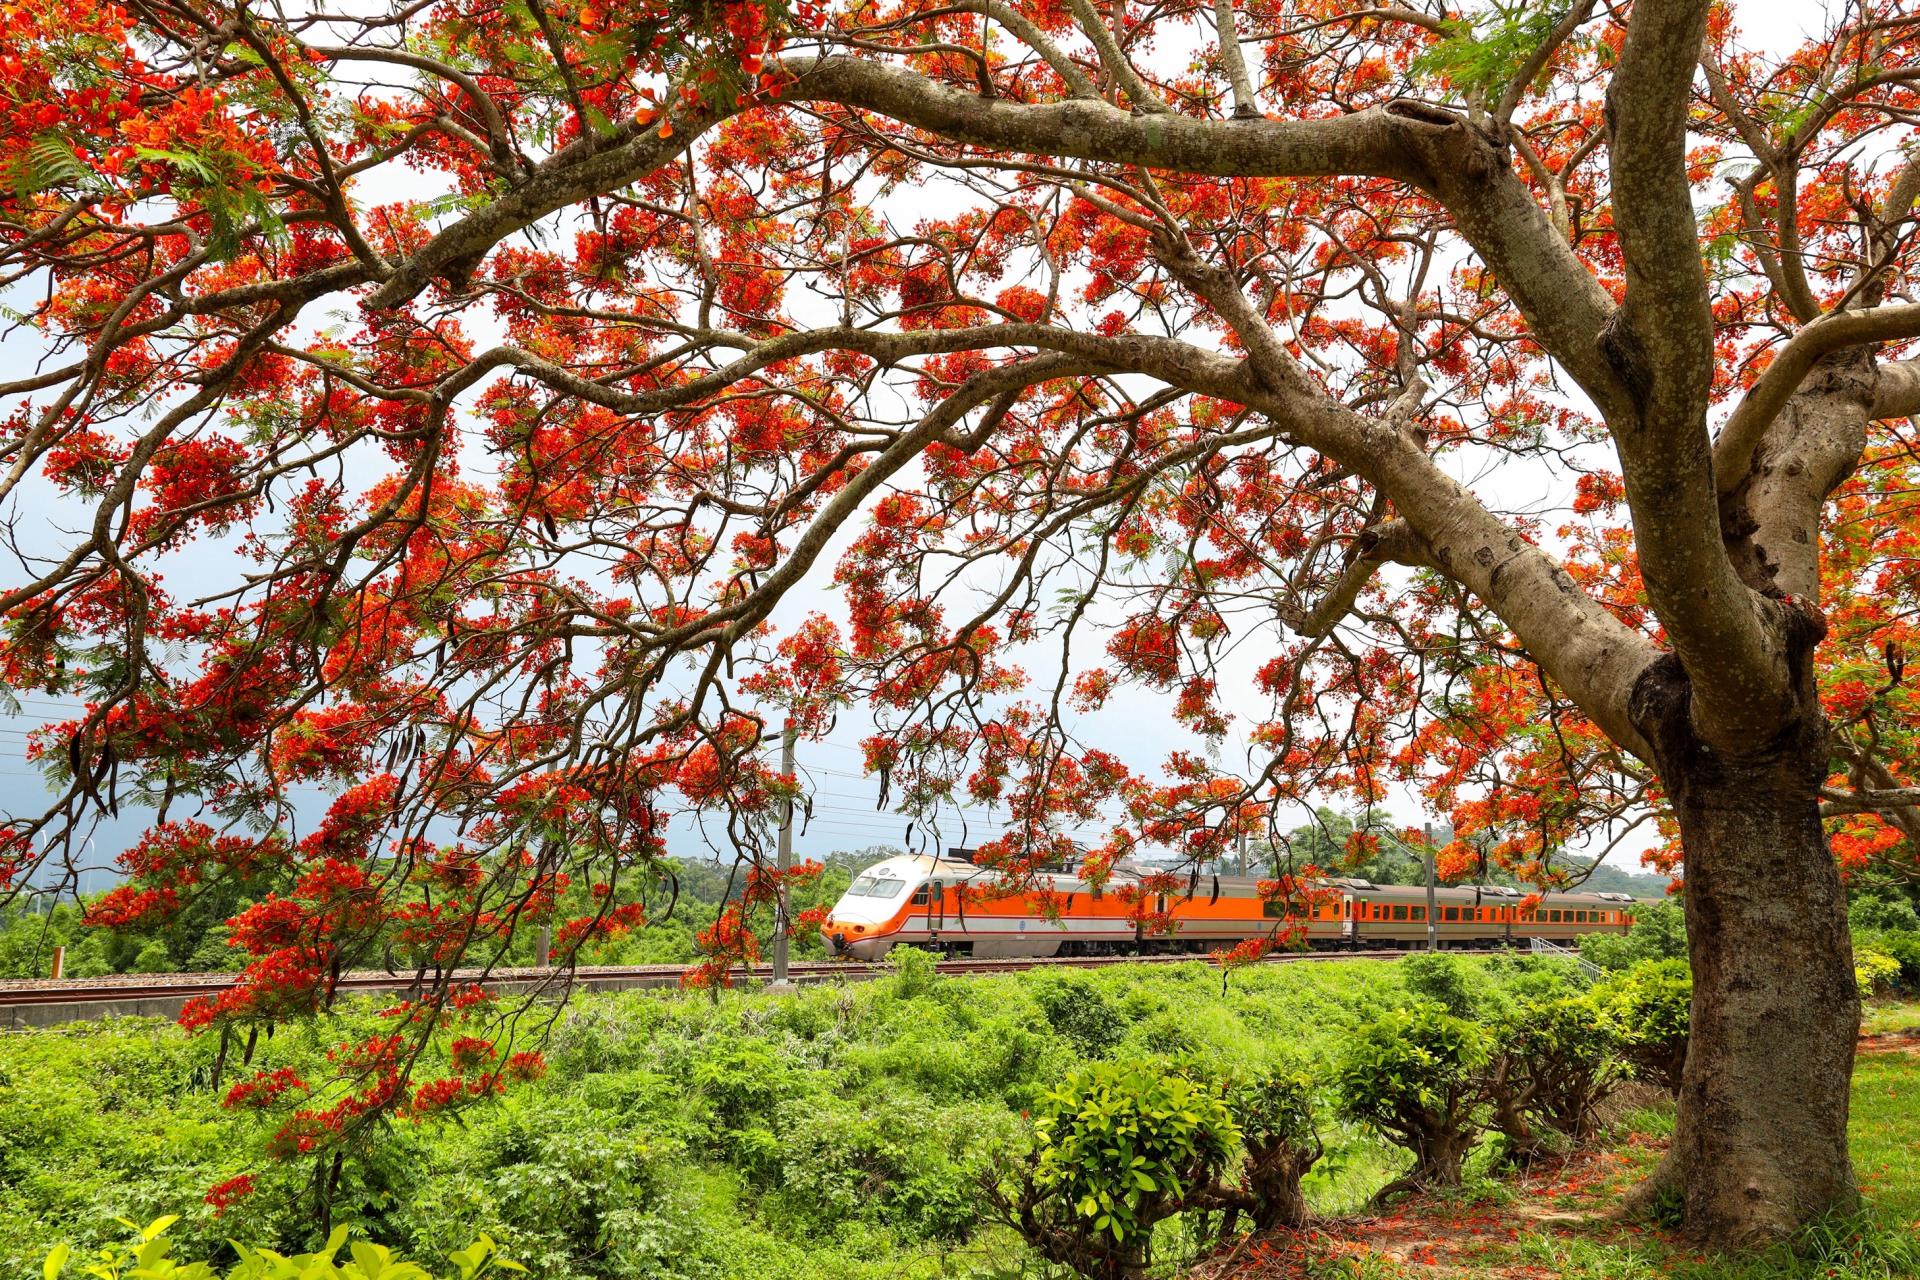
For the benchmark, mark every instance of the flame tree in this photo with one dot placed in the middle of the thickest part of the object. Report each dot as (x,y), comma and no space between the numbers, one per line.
(437,402)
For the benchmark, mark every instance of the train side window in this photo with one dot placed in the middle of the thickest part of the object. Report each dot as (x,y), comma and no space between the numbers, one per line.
(1449,914)
(1419,913)
(1273,910)
(1399,912)
(919,898)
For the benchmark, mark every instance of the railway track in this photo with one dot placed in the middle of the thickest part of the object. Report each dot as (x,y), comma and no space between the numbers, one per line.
(30,1002)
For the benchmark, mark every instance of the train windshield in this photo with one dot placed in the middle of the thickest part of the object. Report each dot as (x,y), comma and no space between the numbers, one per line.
(875,887)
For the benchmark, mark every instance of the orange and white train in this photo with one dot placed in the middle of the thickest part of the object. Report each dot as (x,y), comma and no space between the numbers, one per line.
(948,905)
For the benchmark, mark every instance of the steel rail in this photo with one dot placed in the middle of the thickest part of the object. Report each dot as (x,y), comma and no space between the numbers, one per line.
(119,987)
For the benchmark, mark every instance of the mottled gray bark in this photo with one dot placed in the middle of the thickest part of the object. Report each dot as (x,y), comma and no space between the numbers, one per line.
(1760,1146)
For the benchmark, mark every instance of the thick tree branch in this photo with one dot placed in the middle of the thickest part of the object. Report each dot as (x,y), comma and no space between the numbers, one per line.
(1757,410)
(1245,105)
(1115,60)
(1838,803)
(1897,390)
(1390,542)
(1662,346)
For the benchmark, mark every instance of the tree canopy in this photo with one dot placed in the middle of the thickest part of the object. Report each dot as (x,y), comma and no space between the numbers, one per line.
(1519,386)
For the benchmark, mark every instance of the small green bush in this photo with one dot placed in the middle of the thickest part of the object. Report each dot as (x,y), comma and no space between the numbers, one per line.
(1874,971)
(1903,946)
(1659,932)
(1080,1012)
(1555,1061)
(1416,1077)
(1274,1110)
(1875,910)
(889,1161)
(915,971)
(1452,983)
(742,1079)
(1648,1009)
(1119,1147)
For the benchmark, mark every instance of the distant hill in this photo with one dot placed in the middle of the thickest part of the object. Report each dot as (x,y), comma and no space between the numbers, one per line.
(1610,877)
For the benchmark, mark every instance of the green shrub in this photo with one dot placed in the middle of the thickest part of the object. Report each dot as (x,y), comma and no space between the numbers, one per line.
(1080,1012)
(1554,1062)
(1416,1077)
(1519,978)
(1874,971)
(891,1161)
(1274,1111)
(1119,1148)
(742,1079)
(1648,1009)
(1659,932)
(147,1256)
(1875,910)
(1452,983)
(914,971)
(1904,947)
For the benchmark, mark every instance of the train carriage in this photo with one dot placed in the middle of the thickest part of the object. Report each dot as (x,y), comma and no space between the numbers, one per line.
(938,903)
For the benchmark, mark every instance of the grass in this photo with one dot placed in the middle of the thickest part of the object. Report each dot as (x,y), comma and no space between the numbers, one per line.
(1884,1017)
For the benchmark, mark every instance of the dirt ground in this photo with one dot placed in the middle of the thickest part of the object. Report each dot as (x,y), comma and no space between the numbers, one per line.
(1432,1236)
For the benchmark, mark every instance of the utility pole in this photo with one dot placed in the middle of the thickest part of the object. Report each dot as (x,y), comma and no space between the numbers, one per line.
(543,942)
(1243,851)
(783,861)
(1433,912)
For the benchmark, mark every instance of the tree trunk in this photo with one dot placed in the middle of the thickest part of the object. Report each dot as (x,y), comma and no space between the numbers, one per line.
(1760,1143)
(1438,1157)
(1510,1118)
(1272,1179)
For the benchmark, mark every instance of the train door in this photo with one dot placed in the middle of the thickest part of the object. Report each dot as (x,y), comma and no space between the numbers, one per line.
(936,911)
